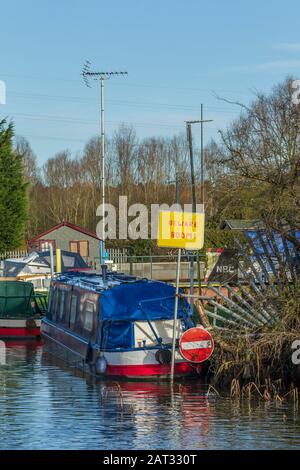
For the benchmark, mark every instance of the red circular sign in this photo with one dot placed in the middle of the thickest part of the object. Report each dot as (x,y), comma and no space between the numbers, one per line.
(196,345)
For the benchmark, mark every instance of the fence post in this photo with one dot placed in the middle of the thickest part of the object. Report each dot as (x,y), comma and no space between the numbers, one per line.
(130,264)
(151,272)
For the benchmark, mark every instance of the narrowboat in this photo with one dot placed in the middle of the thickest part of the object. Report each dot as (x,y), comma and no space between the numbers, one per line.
(21,310)
(112,324)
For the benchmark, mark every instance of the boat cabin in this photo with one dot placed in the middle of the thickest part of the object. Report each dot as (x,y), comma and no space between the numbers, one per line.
(121,312)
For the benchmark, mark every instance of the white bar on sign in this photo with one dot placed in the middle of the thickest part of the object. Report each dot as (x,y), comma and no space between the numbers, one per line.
(196,344)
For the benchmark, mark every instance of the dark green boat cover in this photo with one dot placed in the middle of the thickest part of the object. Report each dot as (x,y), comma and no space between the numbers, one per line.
(16,299)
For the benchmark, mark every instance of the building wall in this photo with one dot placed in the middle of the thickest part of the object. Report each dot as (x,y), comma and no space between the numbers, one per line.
(64,235)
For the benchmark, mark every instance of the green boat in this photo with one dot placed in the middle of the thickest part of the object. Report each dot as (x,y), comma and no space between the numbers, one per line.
(21,309)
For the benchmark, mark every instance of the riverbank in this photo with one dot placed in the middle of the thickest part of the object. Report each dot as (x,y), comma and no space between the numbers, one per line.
(263,362)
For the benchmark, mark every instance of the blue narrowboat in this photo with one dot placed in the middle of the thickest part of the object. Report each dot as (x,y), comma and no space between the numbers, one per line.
(116,325)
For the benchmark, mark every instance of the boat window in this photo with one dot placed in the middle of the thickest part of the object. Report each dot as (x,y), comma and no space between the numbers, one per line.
(54,303)
(66,316)
(61,305)
(73,310)
(88,321)
(50,301)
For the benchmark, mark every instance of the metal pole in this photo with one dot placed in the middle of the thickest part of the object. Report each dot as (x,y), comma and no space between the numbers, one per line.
(88,74)
(202,197)
(202,180)
(177,189)
(51,259)
(189,132)
(175,315)
(201,121)
(202,159)
(190,141)
(103,170)
(176,292)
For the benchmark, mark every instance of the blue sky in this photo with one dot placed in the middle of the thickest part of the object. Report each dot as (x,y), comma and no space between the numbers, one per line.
(178,54)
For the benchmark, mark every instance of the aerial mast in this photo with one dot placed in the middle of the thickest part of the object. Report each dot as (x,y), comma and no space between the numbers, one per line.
(101,76)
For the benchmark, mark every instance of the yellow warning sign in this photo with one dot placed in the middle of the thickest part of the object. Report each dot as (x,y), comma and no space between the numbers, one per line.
(181,230)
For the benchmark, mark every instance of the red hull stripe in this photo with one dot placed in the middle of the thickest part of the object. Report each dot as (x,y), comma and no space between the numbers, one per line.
(181,368)
(18,332)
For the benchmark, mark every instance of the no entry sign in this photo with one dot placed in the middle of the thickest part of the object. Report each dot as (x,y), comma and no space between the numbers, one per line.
(196,345)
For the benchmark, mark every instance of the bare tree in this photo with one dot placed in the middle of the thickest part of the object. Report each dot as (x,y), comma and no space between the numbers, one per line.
(263,147)
(125,144)
(23,148)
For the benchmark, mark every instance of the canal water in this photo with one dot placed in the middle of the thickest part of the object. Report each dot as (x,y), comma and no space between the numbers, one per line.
(46,405)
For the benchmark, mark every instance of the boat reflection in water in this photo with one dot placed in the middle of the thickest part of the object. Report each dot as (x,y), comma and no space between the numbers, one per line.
(183,409)
(46,405)
(13,351)
(139,414)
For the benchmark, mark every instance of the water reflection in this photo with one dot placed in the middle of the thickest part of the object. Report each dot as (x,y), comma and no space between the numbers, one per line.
(45,404)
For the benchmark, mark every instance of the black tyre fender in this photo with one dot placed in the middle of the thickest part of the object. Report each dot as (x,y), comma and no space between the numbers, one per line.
(31,324)
(163,356)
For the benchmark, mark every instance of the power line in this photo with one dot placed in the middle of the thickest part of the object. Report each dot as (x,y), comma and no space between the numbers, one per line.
(70,120)
(226,110)
(142,85)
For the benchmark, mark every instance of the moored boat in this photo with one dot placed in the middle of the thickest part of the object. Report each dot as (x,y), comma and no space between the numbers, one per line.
(116,325)
(21,310)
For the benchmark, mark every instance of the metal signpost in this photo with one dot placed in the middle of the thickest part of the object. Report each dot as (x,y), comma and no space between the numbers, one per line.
(182,230)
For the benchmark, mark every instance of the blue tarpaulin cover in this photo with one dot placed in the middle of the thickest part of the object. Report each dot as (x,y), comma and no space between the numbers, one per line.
(264,248)
(139,301)
(121,303)
(255,237)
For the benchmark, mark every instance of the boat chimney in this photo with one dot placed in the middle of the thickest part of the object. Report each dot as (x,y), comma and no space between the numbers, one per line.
(104,272)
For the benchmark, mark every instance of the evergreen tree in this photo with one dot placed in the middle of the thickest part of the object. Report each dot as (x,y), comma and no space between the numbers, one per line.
(13,192)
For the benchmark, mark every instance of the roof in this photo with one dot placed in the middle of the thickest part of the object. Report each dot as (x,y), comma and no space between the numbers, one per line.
(63,224)
(129,298)
(94,281)
(39,262)
(241,224)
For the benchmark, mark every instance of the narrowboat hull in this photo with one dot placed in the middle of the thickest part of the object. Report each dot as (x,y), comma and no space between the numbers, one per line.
(19,328)
(142,363)
(129,364)
(114,325)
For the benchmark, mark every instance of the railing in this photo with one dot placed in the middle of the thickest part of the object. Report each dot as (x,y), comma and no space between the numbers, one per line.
(118,255)
(160,267)
(13,254)
(41,302)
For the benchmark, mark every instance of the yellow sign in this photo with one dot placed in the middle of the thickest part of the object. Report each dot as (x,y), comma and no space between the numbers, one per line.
(181,230)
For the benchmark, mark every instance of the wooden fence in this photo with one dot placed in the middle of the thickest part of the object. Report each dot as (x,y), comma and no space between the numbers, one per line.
(13,254)
(118,255)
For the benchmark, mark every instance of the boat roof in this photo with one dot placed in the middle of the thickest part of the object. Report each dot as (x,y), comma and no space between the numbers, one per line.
(39,263)
(93,281)
(128,298)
